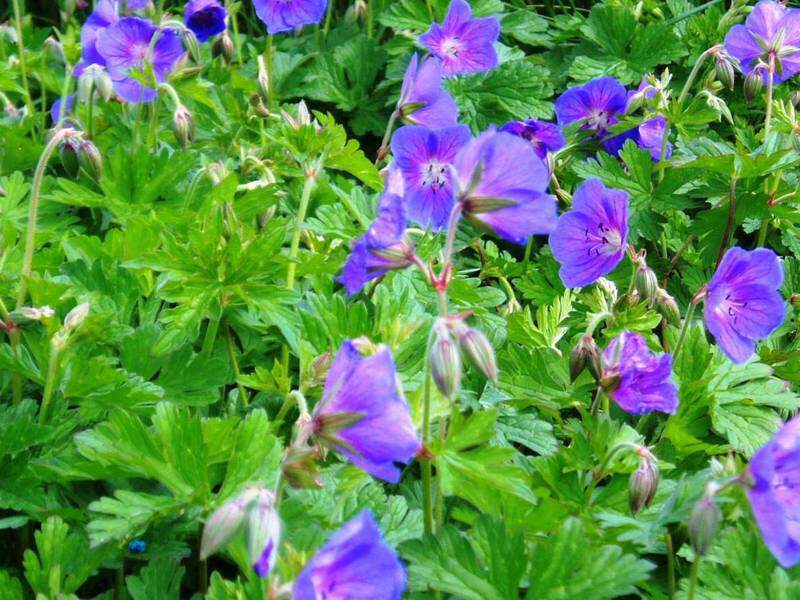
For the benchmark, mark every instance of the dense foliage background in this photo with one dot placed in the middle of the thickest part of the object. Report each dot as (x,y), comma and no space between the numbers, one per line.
(212,297)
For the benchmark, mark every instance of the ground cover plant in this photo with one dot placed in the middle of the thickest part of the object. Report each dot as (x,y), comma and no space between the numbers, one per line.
(418,299)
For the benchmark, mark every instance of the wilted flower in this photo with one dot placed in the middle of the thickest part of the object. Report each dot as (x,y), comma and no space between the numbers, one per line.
(354,563)
(422,99)
(543,137)
(425,157)
(771,32)
(502,185)
(382,248)
(589,241)
(205,18)
(362,394)
(280,15)
(636,379)
(743,303)
(125,46)
(597,104)
(775,470)
(464,44)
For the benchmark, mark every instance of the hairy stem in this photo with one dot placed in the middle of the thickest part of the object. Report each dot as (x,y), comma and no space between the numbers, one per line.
(384,147)
(693,578)
(49,384)
(729,224)
(425,465)
(23,67)
(684,329)
(670,565)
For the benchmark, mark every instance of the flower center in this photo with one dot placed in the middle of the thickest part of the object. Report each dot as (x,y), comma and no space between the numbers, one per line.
(731,307)
(451,47)
(140,52)
(598,120)
(602,240)
(434,174)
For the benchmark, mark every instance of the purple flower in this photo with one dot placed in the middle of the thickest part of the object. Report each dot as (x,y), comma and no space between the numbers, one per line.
(205,18)
(422,99)
(285,15)
(425,157)
(596,103)
(464,44)
(635,378)
(543,137)
(367,387)
(648,136)
(125,46)
(770,30)
(502,185)
(589,241)
(384,246)
(743,303)
(105,14)
(354,563)
(55,109)
(775,495)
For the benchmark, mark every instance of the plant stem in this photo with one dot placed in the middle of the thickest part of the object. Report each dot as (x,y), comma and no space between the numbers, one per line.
(370,17)
(235,24)
(235,365)
(384,147)
(49,384)
(684,329)
(425,466)
(693,75)
(670,566)
(202,565)
(210,337)
(21,52)
(268,55)
(36,190)
(693,578)
(729,225)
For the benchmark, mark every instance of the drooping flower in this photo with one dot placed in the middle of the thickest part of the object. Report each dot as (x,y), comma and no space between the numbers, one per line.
(543,137)
(464,44)
(285,15)
(502,184)
(774,497)
(771,30)
(597,104)
(589,241)
(648,136)
(125,46)
(365,406)
(743,303)
(425,157)
(205,18)
(354,563)
(422,99)
(384,246)
(635,378)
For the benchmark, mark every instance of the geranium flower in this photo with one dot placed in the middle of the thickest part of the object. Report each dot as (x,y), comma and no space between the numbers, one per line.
(205,18)
(543,137)
(285,15)
(422,99)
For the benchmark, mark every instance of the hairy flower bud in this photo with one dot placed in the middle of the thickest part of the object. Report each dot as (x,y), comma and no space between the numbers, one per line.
(356,12)
(794,98)
(704,524)
(263,533)
(191,44)
(643,484)
(753,84)
(90,159)
(585,355)
(667,307)
(445,362)
(68,154)
(299,468)
(478,349)
(76,316)
(646,284)
(183,126)
(222,526)
(223,46)
(724,71)
(94,78)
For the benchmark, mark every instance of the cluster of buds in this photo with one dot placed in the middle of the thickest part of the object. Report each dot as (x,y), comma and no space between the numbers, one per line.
(94,81)
(643,484)
(254,512)
(77,153)
(647,289)
(452,338)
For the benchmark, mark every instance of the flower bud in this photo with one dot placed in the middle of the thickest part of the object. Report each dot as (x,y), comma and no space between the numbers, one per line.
(263,78)
(76,316)
(479,350)
(356,12)
(223,46)
(54,47)
(68,153)
(222,526)
(191,44)
(704,524)
(216,171)
(794,98)
(316,373)
(724,71)
(263,533)
(643,484)
(753,84)
(183,126)
(445,362)
(646,284)
(300,468)
(667,307)
(585,355)
(90,159)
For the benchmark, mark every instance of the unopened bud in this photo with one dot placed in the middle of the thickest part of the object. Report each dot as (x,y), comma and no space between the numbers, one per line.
(300,468)
(68,153)
(76,316)
(90,159)
(724,71)
(216,172)
(794,98)
(478,349)
(222,526)
(585,355)
(263,534)
(646,284)
(53,46)
(356,12)
(667,307)
(223,46)
(191,44)
(317,371)
(643,484)
(704,524)
(753,84)
(263,78)
(445,362)
(183,126)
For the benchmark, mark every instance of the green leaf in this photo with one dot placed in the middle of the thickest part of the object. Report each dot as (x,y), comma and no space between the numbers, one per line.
(159,580)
